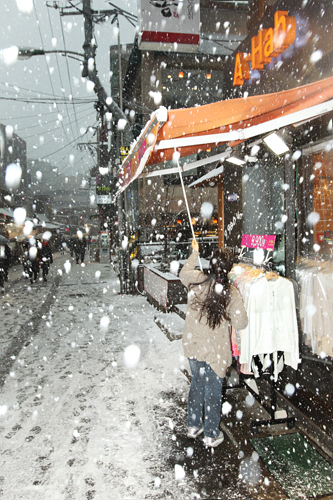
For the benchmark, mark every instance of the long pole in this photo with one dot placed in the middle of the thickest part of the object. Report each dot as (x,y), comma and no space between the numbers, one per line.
(187,207)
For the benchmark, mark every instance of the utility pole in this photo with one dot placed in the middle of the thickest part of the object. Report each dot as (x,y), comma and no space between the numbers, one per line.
(89,71)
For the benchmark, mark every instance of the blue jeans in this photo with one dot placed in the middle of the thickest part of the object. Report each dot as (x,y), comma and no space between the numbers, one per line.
(205,393)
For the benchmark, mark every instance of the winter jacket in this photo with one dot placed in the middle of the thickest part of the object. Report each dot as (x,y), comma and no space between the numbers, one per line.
(46,254)
(199,340)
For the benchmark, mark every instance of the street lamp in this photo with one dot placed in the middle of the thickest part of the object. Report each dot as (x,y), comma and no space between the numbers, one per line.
(26,53)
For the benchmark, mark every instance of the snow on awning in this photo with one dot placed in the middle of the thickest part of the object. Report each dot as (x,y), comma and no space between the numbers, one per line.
(141,150)
(213,174)
(188,166)
(189,131)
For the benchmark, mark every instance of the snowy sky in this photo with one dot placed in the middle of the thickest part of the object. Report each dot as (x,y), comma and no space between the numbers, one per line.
(47,129)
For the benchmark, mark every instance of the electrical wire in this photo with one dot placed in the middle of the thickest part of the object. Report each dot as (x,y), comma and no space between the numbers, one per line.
(135,105)
(45,101)
(46,94)
(131,18)
(218,42)
(27,117)
(48,122)
(50,130)
(41,38)
(66,167)
(68,73)
(62,148)
(57,60)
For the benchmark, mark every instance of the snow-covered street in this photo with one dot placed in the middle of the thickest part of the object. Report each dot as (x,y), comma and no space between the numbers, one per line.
(94,399)
(78,418)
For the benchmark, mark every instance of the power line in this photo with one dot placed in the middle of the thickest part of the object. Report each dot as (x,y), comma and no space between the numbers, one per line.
(66,167)
(38,115)
(41,38)
(51,130)
(46,101)
(62,85)
(43,114)
(68,74)
(60,149)
(19,89)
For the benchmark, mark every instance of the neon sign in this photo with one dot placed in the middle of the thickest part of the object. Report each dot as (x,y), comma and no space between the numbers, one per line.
(268,43)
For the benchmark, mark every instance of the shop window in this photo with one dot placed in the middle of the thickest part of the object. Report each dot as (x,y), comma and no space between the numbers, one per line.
(323,201)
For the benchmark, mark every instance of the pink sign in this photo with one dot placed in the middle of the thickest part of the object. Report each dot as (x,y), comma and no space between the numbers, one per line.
(266,242)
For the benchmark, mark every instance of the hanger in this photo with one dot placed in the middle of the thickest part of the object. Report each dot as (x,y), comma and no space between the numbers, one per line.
(267,258)
(271,276)
(241,252)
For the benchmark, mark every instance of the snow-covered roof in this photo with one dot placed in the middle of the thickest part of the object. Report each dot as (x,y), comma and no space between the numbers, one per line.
(51,225)
(42,217)
(7,212)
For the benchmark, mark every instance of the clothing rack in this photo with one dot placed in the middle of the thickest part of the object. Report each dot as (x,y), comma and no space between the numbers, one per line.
(319,264)
(270,407)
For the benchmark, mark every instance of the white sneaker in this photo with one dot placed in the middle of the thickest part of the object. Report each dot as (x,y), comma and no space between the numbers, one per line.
(194,432)
(213,442)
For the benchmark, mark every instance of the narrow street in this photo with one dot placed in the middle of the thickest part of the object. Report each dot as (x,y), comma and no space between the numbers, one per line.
(76,421)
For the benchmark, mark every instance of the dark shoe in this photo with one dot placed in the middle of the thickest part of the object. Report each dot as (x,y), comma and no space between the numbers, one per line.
(194,432)
(213,442)
(44,278)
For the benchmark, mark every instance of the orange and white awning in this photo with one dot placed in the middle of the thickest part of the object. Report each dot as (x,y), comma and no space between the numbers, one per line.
(192,130)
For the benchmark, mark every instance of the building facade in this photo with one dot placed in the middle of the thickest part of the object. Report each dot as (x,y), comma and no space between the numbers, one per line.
(178,79)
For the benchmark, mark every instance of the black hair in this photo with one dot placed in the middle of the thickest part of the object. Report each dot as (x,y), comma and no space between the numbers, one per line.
(215,304)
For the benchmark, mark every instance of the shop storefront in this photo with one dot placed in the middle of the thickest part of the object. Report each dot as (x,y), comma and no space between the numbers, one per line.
(280,83)
(305,57)
(291,195)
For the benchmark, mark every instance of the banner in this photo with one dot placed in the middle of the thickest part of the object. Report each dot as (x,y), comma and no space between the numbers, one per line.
(265,242)
(169,25)
(103,190)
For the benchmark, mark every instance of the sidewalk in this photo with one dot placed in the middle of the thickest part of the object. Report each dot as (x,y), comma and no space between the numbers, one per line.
(93,405)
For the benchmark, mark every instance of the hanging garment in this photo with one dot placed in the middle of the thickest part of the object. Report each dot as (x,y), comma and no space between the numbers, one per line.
(316,303)
(272,323)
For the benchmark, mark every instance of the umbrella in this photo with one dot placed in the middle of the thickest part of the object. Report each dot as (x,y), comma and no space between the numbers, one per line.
(3,240)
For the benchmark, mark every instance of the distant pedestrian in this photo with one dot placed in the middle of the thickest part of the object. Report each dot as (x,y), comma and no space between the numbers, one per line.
(71,246)
(80,249)
(33,261)
(213,305)
(8,258)
(63,246)
(2,266)
(46,259)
